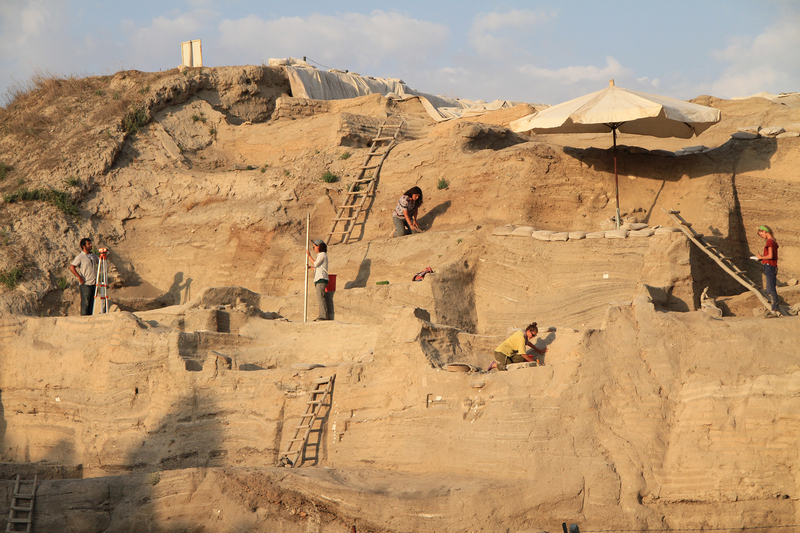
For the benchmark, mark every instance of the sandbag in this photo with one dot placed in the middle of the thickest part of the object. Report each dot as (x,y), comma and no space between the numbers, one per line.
(560,236)
(542,235)
(647,232)
(577,235)
(664,231)
(745,135)
(608,225)
(771,131)
(633,225)
(694,149)
(617,234)
(596,235)
(523,231)
(503,230)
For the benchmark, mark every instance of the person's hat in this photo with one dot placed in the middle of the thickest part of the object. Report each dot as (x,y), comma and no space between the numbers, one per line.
(317,241)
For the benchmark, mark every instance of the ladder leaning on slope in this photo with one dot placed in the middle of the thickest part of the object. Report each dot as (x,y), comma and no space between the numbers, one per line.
(711,251)
(297,444)
(363,186)
(21,512)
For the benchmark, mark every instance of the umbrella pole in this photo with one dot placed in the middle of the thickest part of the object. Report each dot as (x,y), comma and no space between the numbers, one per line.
(616,177)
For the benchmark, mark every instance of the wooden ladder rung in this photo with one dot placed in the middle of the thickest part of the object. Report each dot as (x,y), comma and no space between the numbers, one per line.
(344,218)
(368,167)
(674,212)
(687,224)
(372,154)
(23,496)
(379,139)
(26,509)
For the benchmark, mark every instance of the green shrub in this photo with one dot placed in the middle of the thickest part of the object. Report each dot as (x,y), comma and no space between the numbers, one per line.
(286,173)
(115,96)
(212,131)
(98,92)
(345,155)
(62,283)
(4,236)
(72,181)
(443,184)
(135,119)
(144,90)
(60,199)
(330,177)
(155,478)
(10,278)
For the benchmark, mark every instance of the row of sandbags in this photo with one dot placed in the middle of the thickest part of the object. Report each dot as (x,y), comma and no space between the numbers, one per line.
(754,132)
(633,230)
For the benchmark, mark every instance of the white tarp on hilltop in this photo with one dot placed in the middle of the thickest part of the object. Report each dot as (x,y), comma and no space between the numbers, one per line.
(309,82)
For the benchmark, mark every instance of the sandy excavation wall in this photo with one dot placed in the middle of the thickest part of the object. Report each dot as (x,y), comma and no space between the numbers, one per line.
(214,192)
(645,414)
(669,440)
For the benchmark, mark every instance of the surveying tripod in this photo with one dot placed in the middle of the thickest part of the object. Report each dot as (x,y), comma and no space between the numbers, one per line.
(101,283)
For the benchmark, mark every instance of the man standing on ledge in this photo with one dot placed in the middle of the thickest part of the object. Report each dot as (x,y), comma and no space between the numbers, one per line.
(86,272)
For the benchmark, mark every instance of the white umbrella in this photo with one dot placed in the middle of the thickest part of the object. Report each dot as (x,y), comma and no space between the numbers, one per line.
(616,109)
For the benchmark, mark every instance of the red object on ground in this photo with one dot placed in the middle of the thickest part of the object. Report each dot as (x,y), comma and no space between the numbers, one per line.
(331,283)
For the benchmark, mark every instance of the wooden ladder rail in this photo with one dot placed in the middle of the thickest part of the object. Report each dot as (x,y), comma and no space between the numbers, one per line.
(711,250)
(21,514)
(354,206)
(296,445)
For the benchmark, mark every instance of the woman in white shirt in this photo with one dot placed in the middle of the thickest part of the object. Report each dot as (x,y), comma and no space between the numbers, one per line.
(320,266)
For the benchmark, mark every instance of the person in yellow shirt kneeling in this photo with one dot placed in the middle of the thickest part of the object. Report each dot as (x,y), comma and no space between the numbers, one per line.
(514,348)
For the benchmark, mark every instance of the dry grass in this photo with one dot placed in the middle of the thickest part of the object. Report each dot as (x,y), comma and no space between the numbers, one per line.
(46,84)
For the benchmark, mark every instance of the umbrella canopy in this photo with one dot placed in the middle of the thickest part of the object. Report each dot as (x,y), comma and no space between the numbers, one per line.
(623,110)
(616,109)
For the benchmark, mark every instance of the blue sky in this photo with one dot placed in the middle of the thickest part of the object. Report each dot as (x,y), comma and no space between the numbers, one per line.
(533,51)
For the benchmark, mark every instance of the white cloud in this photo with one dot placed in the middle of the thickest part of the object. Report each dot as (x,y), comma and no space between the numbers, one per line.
(497,34)
(768,62)
(33,37)
(517,18)
(347,41)
(158,44)
(646,81)
(576,74)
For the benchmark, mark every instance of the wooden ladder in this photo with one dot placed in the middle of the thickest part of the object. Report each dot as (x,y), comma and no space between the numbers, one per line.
(316,399)
(21,512)
(363,187)
(711,251)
